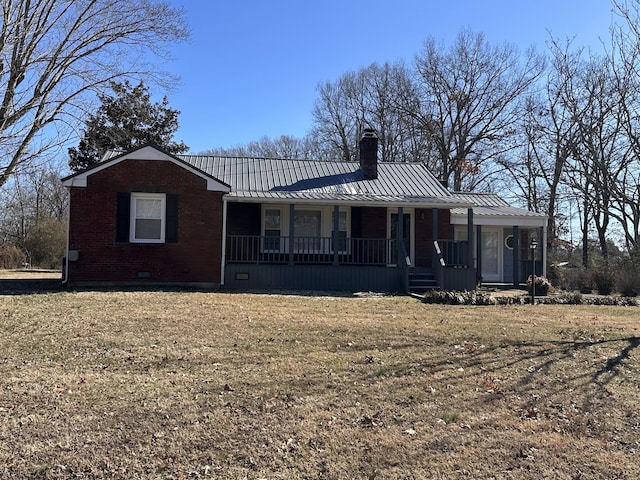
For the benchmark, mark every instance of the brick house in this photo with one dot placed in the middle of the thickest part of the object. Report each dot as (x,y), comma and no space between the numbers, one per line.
(147,217)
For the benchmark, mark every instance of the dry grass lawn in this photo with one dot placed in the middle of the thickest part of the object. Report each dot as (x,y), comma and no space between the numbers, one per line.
(29,274)
(178,385)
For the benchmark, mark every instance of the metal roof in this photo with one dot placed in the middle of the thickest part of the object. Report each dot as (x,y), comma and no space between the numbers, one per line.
(316,181)
(482,199)
(325,181)
(499,212)
(490,209)
(492,205)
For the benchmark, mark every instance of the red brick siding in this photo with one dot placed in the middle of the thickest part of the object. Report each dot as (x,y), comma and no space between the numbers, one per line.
(374,222)
(424,233)
(424,237)
(445,229)
(195,257)
(244,218)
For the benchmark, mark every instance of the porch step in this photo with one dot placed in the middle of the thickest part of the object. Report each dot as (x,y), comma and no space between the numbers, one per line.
(422,280)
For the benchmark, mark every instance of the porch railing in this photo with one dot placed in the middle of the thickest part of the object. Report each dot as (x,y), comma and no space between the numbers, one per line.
(452,253)
(310,250)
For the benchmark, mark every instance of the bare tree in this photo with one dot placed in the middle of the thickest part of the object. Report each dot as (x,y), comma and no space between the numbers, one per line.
(54,54)
(34,216)
(551,136)
(282,147)
(600,159)
(335,124)
(471,98)
(378,97)
(525,179)
(625,58)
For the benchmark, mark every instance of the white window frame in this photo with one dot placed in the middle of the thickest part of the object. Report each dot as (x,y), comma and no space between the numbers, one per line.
(283,225)
(326,224)
(163,216)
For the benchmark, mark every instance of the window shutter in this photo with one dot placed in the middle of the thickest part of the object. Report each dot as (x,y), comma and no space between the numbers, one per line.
(171,233)
(123,212)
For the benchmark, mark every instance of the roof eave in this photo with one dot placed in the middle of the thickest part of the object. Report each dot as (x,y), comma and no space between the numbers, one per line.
(428,203)
(79,179)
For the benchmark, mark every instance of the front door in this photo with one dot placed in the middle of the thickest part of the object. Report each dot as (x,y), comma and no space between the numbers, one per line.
(491,255)
(406,236)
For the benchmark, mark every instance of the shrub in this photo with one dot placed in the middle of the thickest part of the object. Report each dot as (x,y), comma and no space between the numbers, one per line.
(586,281)
(555,275)
(604,280)
(46,243)
(570,299)
(580,279)
(11,257)
(628,281)
(627,274)
(542,286)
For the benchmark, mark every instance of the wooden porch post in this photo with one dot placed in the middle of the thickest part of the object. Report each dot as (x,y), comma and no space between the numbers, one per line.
(470,237)
(334,236)
(434,230)
(400,235)
(543,246)
(478,251)
(291,232)
(516,256)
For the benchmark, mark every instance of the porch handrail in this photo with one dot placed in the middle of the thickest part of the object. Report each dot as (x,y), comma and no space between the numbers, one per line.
(438,252)
(306,250)
(407,258)
(452,253)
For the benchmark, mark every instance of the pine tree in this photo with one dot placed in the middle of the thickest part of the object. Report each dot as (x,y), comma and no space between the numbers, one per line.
(126,120)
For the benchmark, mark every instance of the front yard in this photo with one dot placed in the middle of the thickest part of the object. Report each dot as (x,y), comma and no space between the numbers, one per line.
(212,385)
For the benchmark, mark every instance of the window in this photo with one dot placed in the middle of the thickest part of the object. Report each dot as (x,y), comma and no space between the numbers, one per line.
(148,217)
(307,226)
(312,229)
(272,229)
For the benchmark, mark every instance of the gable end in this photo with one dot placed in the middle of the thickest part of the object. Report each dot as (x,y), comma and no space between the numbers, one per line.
(147,153)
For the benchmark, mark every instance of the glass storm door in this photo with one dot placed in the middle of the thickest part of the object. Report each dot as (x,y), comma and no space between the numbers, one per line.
(491,255)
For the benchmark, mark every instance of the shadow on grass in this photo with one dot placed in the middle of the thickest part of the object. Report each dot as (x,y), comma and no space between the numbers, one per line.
(30,286)
(33,286)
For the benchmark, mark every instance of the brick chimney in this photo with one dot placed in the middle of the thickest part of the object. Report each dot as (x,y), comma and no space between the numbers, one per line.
(369,154)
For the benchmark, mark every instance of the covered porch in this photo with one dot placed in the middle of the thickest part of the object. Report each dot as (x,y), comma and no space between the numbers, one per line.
(344,248)
(508,242)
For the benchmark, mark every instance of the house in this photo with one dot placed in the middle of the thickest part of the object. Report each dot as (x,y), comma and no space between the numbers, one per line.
(147,217)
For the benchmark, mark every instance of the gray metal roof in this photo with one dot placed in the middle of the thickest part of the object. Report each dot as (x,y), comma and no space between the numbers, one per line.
(499,212)
(315,181)
(482,199)
(492,209)
(325,181)
(492,205)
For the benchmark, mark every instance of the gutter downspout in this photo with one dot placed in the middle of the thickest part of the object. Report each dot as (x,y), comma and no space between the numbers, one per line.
(224,240)
(65,277)
(544,250)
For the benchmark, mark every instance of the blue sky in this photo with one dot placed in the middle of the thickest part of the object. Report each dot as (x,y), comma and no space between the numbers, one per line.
(252,67)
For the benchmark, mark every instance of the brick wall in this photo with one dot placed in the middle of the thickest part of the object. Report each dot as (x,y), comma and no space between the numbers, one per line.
(374,222)
(194,258)
(424,233)
(244,218)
